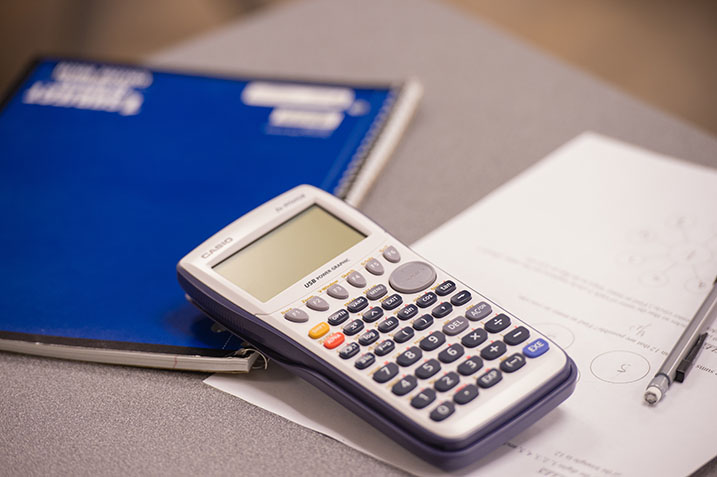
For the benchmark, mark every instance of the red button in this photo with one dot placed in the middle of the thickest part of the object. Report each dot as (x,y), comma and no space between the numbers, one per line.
(334,340)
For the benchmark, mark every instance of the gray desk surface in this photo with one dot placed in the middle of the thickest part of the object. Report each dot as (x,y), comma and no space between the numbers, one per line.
(492,107)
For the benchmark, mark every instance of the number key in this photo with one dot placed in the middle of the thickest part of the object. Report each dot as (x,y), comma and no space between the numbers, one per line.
(432,341)
(452,353)
(443,411)
(470,366)
(424,398)
(404,385)
(447,381)
(428,369)
(385,372)
(410,356)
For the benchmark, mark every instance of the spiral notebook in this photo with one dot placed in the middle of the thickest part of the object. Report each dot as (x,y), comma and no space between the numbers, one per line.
(110,173)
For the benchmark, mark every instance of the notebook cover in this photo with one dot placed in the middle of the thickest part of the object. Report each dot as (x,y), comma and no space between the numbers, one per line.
(109,174)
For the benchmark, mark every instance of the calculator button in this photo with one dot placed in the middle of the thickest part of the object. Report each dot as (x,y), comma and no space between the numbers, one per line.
(443,411)
(536,348)
(389,324)
(338,292)
(372,314)
(461,298)
(371,336)
(412,277)
(444,309)
(403,335)
(349,350)
(317,304)
(408,311)
(410,356)
(296,315)
(426,300)
(365,360)
(374,267)
(385,347)
(338,317)
(446,382)
(391,254)
(493,350)
(423,322)
(353,327)
(445,288)
(513,363)
(428,369)
(517,336)
(470,366)
(393,301)
(374,293)
(385,372)
(489,378)
(455,326)
(319,330)
(432,341)
(356,279)
(466,394)
(497,324)
(479,311)
(357,304)
(474,338)
(452,353)
(424,398)
(334,340)
(404,385)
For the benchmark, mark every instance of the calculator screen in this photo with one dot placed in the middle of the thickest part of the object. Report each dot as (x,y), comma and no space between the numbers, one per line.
(281,257)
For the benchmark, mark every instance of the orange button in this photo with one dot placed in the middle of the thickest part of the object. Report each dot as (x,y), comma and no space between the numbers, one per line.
(319,330)
(334,340)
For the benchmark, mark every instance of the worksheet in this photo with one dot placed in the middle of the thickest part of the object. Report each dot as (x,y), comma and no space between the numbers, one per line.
(609,250)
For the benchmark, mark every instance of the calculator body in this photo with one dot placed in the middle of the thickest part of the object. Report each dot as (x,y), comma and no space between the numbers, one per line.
(328,294)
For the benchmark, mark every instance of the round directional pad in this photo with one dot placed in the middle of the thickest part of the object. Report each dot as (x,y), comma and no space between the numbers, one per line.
(412,277)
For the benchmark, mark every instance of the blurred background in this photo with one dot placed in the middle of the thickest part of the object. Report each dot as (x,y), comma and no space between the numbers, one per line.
(661,51)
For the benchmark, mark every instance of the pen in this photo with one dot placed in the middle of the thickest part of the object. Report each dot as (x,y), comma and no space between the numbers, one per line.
(683,354)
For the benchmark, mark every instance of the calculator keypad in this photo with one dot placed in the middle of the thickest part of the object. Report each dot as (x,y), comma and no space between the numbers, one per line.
(437,347)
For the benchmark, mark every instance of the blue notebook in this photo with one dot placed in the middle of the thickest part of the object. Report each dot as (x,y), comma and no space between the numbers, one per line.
(109,174)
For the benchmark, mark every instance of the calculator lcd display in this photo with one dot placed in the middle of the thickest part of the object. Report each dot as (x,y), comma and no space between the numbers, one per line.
(281,257)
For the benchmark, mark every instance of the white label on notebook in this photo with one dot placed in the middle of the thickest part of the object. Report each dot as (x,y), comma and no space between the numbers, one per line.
(301,119)
(260,93)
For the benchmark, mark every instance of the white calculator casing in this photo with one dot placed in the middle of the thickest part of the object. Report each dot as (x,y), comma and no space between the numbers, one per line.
(471,431)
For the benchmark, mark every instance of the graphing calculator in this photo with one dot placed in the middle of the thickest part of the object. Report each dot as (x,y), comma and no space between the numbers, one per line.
(327,293)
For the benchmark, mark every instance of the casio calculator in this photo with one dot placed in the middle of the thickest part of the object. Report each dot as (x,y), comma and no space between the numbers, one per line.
(327,293)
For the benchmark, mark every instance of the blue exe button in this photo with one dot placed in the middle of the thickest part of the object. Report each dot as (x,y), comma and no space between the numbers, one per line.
(536,348)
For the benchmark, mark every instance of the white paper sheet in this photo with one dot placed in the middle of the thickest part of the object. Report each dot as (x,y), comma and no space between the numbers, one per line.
(609,250)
